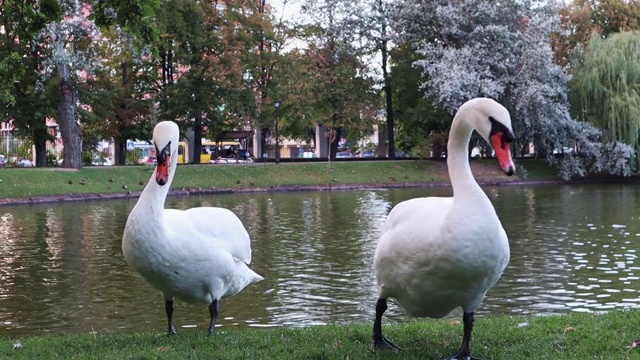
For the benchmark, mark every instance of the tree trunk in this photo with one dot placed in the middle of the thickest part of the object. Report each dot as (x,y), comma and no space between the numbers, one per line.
(263,143)
(197,140)
(382,141)
(120,151)
(40,143)
(69,129)
(120,142)
(333,145)
(387,93)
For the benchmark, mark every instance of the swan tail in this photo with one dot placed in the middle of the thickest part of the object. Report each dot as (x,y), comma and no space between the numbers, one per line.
(250,275)
(255,277)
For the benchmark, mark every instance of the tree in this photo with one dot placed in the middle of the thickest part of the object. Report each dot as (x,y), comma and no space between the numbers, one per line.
(501,51)
(69,42)
(420,125)
(34,102)
(189,48)
(133,17)
(372,20)
(214,64)
(24,98)
(342,95)
(581,18)
(117,97)
(21,21)
(606,86)
(268,35)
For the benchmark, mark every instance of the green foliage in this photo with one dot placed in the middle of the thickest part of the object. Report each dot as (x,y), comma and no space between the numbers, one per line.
(52,160)
(325,85)
(134,16)
(581,18)
(87,156)
(416,117)
(118,96)
(133,156)
(605,89)
(21,20)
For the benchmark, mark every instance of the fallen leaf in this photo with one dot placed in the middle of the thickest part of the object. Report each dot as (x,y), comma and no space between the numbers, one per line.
(569,329)
(454,322)
(633,344)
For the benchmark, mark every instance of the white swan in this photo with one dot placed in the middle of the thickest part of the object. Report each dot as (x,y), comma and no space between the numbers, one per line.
(196,255)
(435,253)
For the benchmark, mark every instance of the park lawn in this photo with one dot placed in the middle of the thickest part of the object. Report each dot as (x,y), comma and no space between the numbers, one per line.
(21,183)
(573,336)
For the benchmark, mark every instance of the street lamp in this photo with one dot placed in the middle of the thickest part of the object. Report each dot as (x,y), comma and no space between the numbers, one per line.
(277,105)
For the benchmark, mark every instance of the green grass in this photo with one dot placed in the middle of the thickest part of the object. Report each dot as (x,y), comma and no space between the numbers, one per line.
(25,183)
(572,336)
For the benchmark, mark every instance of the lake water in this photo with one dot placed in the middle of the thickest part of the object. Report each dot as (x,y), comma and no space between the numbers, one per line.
(574,248)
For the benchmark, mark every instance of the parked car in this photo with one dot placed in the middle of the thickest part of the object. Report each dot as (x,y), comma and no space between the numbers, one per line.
(245,155)
(343,154)
(102,162)
(25,163)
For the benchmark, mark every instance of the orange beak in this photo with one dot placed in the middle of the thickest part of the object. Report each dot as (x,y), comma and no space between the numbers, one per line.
(163,158)
(162,170)
(503,153)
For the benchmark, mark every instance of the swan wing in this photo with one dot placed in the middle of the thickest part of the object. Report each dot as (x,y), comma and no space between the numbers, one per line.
(408,232)
(431,211)
(218,226)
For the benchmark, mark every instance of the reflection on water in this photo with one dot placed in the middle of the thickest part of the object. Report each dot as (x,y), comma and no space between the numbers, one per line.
(61,269)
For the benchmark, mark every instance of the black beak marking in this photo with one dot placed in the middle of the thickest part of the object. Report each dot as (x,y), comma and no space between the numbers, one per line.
(161,156)
(496,127)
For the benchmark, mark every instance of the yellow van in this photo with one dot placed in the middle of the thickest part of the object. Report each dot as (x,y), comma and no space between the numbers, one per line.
(210,151)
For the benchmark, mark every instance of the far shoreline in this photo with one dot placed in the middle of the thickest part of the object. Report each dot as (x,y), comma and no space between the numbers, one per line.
(23,186)
(287,188)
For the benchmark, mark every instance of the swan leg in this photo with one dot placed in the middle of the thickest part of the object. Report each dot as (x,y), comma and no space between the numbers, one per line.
(213,311)
(168,307)
(379,341)
(465,349)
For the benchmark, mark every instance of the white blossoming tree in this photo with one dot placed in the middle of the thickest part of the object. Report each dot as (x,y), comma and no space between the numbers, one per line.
(70,43)
(502,50)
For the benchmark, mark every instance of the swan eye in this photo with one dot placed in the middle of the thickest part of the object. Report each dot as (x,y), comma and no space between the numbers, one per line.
(499,128)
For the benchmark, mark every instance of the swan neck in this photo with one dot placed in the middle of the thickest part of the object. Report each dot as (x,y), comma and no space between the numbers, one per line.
(462,180)
(154,195)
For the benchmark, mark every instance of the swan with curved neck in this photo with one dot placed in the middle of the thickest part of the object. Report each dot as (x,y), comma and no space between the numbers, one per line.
(196,255)
(436,254)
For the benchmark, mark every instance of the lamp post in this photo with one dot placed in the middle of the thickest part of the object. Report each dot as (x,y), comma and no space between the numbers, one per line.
(277,105)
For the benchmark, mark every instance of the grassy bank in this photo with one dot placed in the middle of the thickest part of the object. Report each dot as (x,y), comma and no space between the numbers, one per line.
(25,183)
(572,336)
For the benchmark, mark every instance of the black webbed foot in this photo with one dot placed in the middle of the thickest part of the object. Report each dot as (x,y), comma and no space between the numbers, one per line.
(378,341)
(465,349)
(384,343)
(172,331)
(465,357)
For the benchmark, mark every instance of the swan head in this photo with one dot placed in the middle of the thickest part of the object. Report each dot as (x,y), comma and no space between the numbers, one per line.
(165,139)
(493,122)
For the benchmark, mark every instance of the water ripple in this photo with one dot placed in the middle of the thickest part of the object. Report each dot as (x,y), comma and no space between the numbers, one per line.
(573,248)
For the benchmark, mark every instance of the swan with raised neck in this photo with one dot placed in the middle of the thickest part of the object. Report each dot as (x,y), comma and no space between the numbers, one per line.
(196,255)
(436,254)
